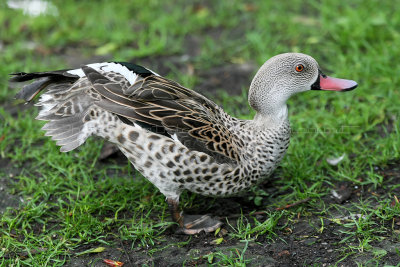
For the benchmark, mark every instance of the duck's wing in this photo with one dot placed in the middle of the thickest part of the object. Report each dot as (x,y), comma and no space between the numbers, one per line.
(164,106)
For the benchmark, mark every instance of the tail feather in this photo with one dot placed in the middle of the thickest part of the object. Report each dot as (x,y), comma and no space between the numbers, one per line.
(75,137)
(66,105)
(29,91)
(66,138)
(70,131)
(65,132)
(62,128)
(70,104)
(23,76)
(71,146)
(42,80)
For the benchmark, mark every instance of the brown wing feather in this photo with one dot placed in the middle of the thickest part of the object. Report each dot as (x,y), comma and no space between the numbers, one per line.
(158,101)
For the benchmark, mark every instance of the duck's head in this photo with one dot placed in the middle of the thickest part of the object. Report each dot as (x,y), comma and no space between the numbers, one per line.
(287,74)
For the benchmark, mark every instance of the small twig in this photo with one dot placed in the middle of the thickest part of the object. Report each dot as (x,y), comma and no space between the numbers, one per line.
(126,253)
(293,204)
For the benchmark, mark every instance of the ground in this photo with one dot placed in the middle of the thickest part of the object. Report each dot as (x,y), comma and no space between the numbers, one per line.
(82,207)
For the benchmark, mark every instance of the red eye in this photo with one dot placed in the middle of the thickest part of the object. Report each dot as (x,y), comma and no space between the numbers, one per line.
(299,68)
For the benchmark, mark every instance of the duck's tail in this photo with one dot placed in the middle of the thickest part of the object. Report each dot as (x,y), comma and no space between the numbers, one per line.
(68,103)
(42,80)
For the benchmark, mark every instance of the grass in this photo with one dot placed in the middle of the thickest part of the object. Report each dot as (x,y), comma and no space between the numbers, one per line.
(245,230)
(72,201)
(234,258)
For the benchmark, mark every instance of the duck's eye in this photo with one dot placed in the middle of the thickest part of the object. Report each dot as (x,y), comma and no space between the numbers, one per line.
(299,68)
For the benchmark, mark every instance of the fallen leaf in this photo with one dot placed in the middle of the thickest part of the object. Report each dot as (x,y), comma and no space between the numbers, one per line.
(217,231)
(217,241)
(113,263)
(98,250)
(92,250)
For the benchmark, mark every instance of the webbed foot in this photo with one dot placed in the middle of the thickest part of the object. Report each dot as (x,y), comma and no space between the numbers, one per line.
(192,224)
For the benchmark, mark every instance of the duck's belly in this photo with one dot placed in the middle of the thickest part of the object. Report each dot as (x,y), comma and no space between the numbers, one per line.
(172,167)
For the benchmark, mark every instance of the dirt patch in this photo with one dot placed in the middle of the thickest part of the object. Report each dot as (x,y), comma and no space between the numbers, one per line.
(7,200)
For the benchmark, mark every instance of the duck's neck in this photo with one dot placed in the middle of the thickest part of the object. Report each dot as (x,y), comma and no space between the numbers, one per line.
(269,100)
(271,117)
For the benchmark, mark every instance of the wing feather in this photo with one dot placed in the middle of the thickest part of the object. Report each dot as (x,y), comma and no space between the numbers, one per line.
(157,101)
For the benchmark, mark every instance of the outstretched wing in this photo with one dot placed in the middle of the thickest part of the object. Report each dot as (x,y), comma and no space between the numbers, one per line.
(164,105)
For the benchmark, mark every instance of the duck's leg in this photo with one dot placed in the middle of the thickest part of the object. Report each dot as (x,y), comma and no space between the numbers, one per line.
(192,224)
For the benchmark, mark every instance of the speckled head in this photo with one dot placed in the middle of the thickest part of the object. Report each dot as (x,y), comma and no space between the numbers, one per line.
(287,74)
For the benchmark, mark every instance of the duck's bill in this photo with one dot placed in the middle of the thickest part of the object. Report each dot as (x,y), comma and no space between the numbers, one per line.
(333,84)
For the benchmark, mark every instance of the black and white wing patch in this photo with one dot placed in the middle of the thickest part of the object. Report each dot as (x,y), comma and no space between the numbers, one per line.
(128,70)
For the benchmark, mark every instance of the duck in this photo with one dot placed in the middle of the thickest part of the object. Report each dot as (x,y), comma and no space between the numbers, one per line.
(175,137)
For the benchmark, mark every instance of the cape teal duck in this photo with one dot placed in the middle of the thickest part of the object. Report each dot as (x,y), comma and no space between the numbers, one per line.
(177,138)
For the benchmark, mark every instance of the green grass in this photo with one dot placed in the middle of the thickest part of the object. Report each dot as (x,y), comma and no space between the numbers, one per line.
(244,230)
(72,201)
(234,258)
